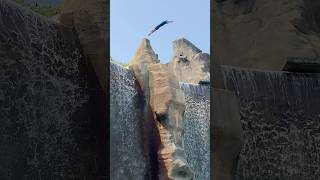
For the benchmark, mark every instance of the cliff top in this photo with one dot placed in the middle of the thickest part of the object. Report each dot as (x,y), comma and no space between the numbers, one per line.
(144,53)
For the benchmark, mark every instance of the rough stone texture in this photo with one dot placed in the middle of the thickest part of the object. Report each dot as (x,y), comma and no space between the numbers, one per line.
(46,3)
(226,134)
(161,90)
(196,129)
(141,62)
(245,35)
(89,19)
(189,64)
(168,103)
(280,119)
(127,152)
(164,91)
(52,125)
(225,128)
(217,74)
(128,158)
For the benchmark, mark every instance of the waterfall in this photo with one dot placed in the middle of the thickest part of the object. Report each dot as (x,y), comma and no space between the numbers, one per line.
(196,135)
(126,115)
(196,89)
(47,113)
(280,120)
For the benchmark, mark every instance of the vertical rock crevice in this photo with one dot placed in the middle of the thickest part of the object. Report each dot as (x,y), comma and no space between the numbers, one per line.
(166,101)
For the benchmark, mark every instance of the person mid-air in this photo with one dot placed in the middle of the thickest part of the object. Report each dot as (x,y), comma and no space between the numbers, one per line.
(160,25)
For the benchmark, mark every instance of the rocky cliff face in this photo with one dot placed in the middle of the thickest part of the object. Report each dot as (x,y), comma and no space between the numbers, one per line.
(225,128)
(189,64)
(226,134)
(45,2)
(279,116)
(53,104)
(142,139)
(134,137)
(52,108)
(89,19)
(167,103)
(263,34)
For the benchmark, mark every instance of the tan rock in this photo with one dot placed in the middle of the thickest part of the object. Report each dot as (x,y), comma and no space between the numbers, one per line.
(141,62)
(263,34)
(89,19)
(226,134)
(166,99)
(218,81)
(189,64)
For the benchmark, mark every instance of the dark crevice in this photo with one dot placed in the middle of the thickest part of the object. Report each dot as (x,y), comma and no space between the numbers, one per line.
(150,137)
(95,111)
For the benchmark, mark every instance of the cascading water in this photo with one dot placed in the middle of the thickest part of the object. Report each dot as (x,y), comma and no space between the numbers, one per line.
(45,109)
(280,120)
(196,135)
(126,115)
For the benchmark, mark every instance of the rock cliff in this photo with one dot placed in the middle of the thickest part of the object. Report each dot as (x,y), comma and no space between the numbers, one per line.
(225,128)
(53,104)
(270,56)
(133,137)
(52,108)
(263,34)
(167,102)
(189,64)
(173,139)
(143,141)
(89,19)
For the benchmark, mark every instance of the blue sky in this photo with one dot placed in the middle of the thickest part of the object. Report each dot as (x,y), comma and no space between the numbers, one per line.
(132,20)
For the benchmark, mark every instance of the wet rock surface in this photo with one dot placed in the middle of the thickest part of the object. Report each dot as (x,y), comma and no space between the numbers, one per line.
(196,129)
(225,134)
(89,19)
(128,158)
(280,120)
(52,125)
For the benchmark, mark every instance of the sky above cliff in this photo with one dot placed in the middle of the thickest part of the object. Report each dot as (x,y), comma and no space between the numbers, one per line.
(130,21)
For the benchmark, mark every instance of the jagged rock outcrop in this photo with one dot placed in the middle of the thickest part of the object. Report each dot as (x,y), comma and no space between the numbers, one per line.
(167,103)
(141,138)
(52,110)
(144,57)
(89,19)
(263,34)
(189,64)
